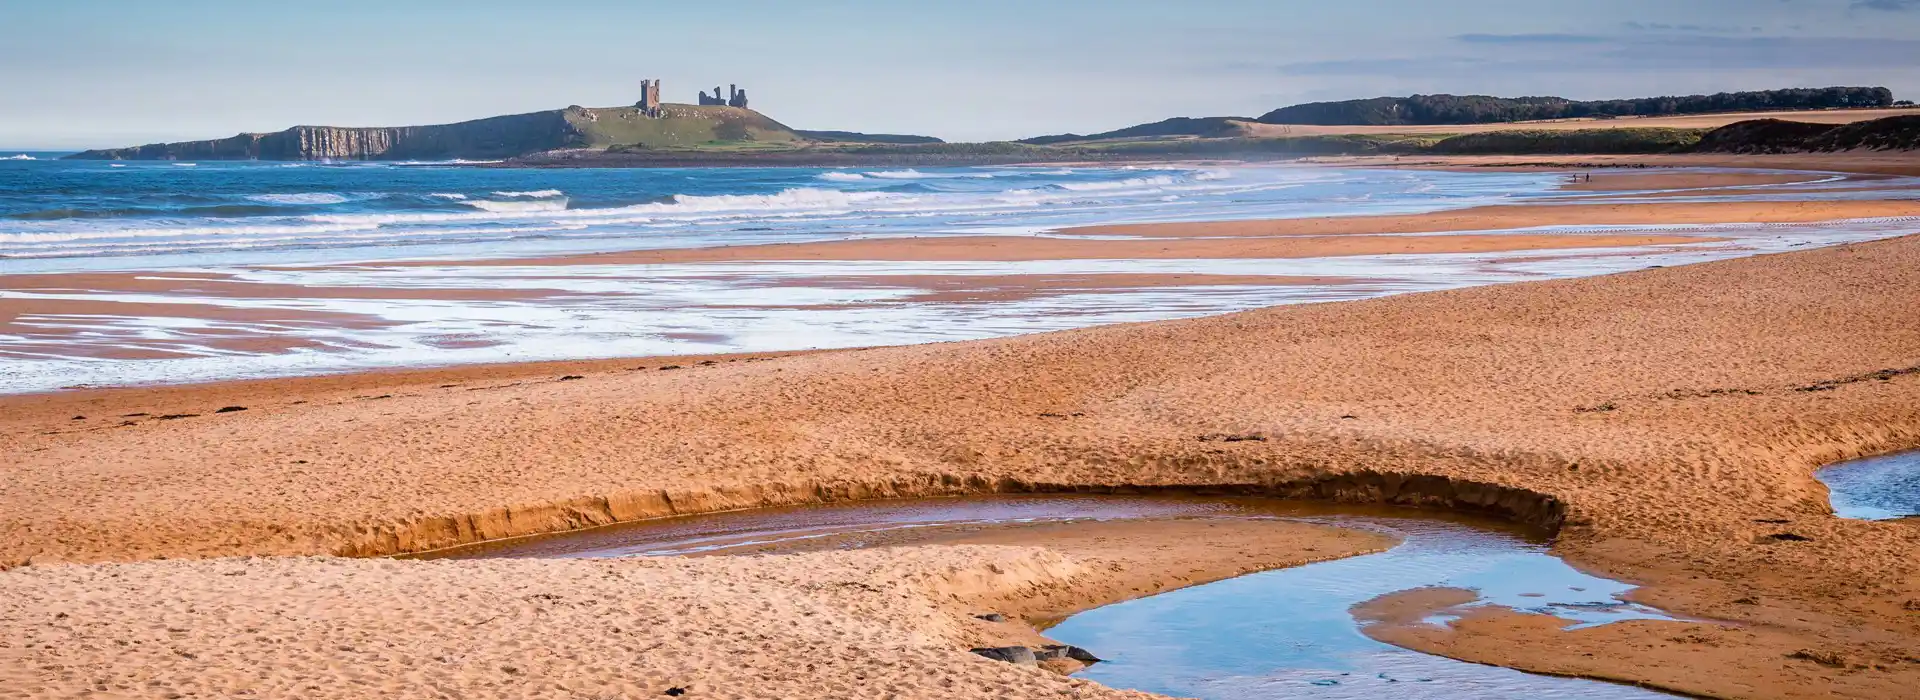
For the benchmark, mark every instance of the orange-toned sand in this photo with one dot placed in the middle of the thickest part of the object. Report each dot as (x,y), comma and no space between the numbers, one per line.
(1703,659)
(883,623)
(1673,417)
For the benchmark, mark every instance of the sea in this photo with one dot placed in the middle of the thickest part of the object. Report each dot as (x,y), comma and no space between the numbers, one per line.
(60,215)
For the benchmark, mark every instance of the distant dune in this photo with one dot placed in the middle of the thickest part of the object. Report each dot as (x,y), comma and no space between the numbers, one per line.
(1418,110)
(1897,133)
(1691,121)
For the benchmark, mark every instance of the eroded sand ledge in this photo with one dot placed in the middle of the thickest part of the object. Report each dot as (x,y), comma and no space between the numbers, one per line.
(1670,419)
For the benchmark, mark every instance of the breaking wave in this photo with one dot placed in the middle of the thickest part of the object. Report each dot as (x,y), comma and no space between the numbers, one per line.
(907,174)
(251,206)
(299,198)
(530,206)
(22,156)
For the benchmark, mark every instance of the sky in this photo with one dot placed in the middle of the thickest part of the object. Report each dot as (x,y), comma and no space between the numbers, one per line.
(103,73)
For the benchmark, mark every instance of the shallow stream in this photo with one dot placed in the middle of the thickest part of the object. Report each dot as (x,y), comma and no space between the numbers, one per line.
(1886,487)
(1287,632)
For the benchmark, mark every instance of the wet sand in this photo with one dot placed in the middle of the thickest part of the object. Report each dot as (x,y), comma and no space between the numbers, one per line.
(263,312)
(1212,241)
(1670,419)
(1692,180)
(1526,216)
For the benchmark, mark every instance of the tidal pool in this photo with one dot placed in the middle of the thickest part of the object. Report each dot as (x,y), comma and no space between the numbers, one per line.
(1287,632)
(1886,487)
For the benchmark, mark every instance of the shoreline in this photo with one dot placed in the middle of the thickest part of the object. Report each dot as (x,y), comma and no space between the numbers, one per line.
(1679,448)
(265,312)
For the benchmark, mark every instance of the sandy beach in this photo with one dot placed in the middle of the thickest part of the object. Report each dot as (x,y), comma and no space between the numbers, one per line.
(1666,421)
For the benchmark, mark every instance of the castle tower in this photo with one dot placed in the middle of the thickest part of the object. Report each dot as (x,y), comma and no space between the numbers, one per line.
(649,97)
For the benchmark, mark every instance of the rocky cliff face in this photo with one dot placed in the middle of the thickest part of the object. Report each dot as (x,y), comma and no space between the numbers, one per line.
(480,139)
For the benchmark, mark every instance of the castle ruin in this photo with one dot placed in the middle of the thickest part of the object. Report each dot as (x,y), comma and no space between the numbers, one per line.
(649,103)
(736,97)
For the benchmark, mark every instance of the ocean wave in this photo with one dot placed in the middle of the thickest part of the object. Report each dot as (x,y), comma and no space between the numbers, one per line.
(186,165)
(799,199)
(907,174)
(456,161)
(185,231)
(520,207)
(1127,184)
(911,174)
(447,195)
(299,198)
(22,156)
(303,239)
(535,194)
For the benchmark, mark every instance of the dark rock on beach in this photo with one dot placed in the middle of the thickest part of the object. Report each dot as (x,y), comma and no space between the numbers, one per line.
(1013,655)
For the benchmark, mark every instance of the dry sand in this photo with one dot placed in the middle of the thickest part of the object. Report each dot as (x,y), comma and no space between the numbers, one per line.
(828,624)
(1669,419)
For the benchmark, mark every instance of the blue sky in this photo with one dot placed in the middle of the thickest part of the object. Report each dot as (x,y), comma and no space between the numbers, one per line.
(92,73)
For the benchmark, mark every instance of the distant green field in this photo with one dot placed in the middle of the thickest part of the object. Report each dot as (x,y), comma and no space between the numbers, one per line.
(681,127)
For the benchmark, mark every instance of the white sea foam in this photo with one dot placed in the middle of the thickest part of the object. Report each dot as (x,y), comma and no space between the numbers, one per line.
(182,232)
(908,174)
(186,165)
(518,207)
(1127,184)
(299,198)
(535,194)
(448,195)
(22,156)
(116,165)
(911,174)
(795,200)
